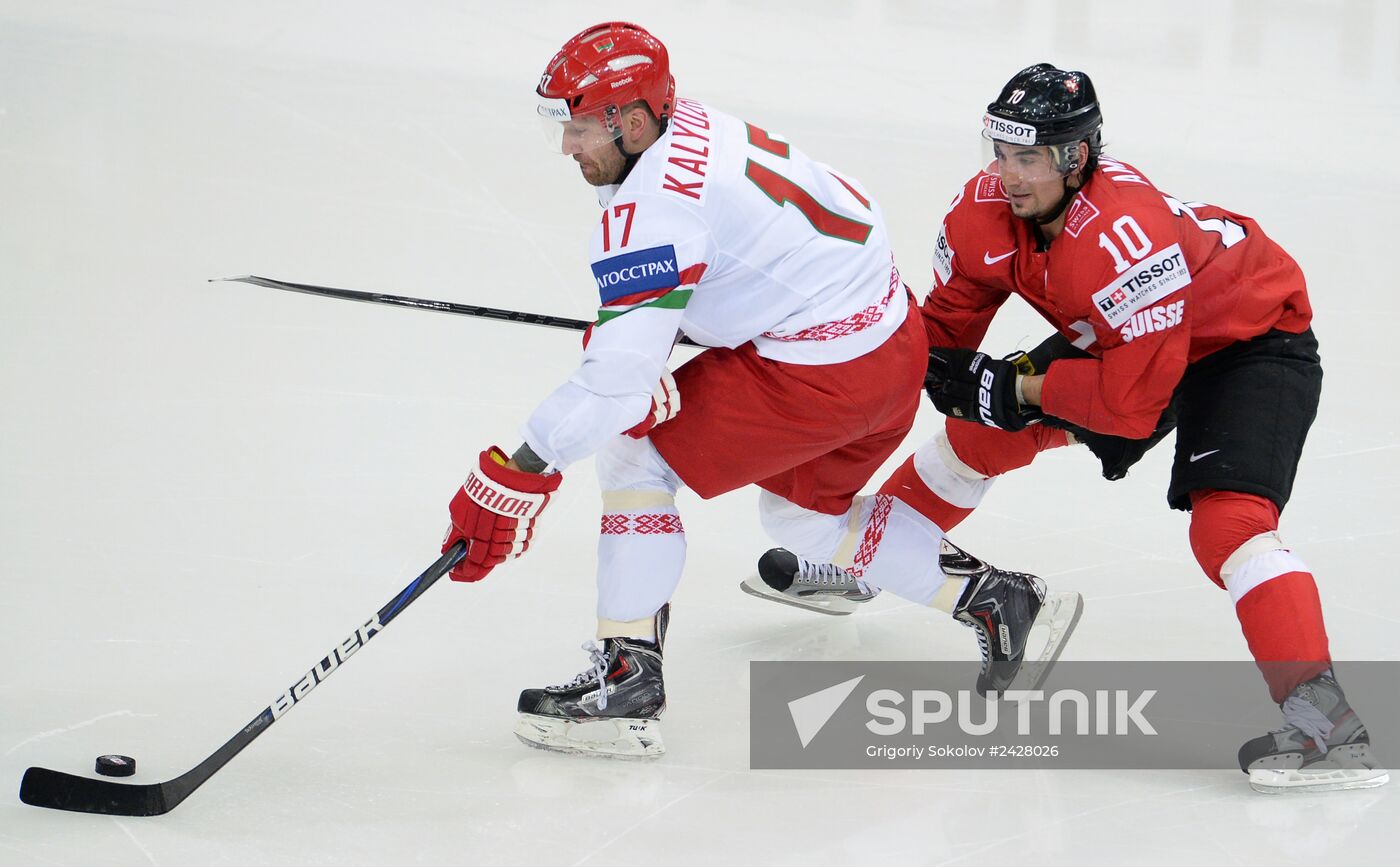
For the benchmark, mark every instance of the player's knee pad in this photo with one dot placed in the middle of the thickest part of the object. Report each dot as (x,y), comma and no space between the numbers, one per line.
(987,452)
(1230,527)
(809,534)
(624,463)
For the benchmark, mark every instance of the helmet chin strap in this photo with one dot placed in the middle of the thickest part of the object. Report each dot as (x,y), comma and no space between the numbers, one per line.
(630,160)
(1054,214)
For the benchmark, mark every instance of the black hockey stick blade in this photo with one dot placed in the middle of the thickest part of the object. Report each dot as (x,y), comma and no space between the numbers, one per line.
(498,313)
(57,790)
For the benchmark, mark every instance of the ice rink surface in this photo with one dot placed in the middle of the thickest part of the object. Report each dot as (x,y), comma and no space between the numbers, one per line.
(205,486)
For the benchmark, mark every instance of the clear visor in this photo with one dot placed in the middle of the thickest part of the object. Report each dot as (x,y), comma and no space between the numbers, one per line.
(1019,163)
(568,134)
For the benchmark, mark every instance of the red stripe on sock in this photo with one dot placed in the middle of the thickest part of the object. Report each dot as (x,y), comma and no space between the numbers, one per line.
(906,486)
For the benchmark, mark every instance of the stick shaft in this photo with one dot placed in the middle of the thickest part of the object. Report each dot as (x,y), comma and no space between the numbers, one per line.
(57,790)
(498,313)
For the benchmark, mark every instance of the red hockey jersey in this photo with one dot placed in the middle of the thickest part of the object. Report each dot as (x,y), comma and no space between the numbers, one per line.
(1142,281)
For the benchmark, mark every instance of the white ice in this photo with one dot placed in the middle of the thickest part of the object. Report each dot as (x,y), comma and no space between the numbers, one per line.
(204,486)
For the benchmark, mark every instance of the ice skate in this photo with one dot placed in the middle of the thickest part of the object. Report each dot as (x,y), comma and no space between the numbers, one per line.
(784,577)
(610,709)
(1323,746)
(1020,629)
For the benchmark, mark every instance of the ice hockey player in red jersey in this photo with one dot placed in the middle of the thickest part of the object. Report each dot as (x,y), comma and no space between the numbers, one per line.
(1167,312)
(713,228)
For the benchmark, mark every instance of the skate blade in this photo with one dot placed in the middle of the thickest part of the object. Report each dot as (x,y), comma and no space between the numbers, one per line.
(1274,782)
(1059,615)
(612,738)
(1345,767)
(822,603)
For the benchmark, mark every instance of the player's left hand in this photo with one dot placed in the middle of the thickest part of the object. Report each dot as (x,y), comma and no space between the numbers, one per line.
(494,512)
(973,386)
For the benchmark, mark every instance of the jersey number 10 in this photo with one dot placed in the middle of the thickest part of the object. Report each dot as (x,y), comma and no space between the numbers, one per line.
(1134,240)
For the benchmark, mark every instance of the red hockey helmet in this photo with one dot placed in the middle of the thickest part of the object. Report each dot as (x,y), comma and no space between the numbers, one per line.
(594,76)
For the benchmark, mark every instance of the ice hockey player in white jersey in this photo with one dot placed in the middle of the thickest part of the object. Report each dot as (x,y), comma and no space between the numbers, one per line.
(722,231)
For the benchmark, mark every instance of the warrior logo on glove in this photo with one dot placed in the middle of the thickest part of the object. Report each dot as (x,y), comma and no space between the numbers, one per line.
(495,512)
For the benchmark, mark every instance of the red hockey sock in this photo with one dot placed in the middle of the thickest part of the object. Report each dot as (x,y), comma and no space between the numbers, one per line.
(993,452)
(1234,536)
(906,485)
(1282,622)
(957,468)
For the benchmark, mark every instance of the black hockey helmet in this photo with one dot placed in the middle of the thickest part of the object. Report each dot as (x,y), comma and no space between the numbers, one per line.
(1045,105)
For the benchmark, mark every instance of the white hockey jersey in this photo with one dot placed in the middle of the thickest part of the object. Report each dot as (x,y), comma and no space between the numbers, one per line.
(727,235)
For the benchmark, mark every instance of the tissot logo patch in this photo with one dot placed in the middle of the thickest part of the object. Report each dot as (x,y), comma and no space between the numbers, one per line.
(943,257)
(1140,286)
(1002,129)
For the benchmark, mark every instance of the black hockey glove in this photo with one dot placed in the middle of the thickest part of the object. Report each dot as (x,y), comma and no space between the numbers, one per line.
(973,386)
(1117,454)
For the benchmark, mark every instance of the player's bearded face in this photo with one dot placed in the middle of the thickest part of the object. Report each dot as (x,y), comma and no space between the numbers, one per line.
(1029,175)
(592,145)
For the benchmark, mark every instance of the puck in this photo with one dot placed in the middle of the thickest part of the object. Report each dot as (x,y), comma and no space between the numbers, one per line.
(116,766)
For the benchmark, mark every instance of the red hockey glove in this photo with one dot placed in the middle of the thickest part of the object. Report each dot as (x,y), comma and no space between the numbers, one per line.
(494,513)
(665,403)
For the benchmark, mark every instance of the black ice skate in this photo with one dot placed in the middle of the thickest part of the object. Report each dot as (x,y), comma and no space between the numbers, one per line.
(610,709)
(1322,747)
(1004,608)
(784,577)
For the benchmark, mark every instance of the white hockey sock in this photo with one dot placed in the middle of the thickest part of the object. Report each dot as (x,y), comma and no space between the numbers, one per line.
(641,544)
(641,552)
(898,551)
(881,540)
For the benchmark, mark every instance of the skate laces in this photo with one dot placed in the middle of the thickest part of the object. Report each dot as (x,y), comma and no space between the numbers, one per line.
(983,644)
(830,575)
(823,573)
(599,658)
(1309,719)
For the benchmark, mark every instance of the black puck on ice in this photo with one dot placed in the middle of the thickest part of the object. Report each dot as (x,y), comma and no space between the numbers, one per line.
(116,766)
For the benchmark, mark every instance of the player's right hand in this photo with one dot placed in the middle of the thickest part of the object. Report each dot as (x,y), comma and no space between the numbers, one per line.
(494,512)
(973,386)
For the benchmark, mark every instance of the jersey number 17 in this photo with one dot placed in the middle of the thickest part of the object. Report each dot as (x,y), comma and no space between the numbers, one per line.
(784,192)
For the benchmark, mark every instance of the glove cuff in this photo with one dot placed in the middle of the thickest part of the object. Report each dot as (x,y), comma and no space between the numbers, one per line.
(505,491)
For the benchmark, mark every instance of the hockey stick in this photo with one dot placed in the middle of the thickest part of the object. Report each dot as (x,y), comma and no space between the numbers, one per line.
(499,313)
(56,790)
